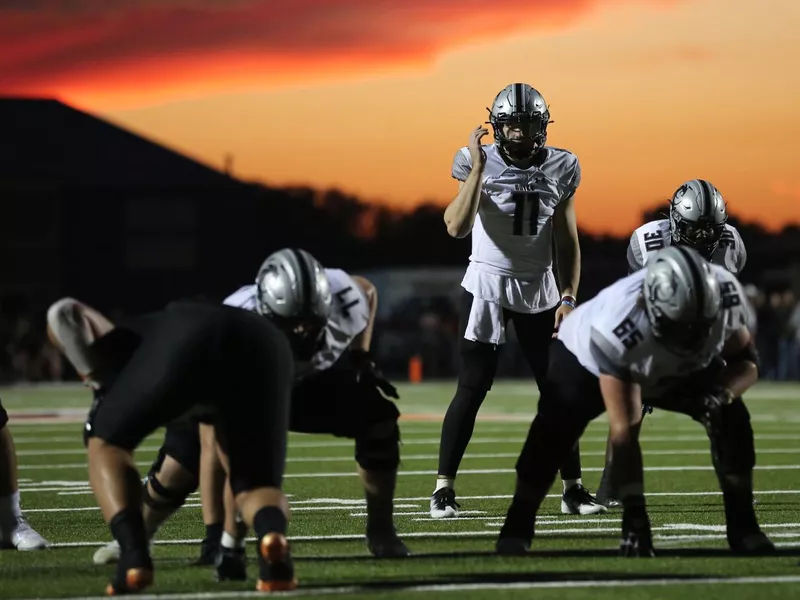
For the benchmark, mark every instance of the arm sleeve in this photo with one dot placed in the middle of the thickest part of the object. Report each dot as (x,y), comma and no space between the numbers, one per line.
(635,261)
(608,358)
(462,165)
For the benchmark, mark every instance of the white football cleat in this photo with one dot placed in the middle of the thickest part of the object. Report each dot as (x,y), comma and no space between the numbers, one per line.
(578,501)
(24,537)
(108,554)
(444,505)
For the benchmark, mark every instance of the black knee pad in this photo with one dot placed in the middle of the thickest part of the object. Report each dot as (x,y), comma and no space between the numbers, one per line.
(182,443)
(379,448)
(478,365)
(383,411)
(537,463)
(731,435)
(556,409)
(167,498)
(553,435)
(157,463)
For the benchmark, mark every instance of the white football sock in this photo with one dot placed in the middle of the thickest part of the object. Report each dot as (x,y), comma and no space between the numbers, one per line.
(444,482)
(228,541)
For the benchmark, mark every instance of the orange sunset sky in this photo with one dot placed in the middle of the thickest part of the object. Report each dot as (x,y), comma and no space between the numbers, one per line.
(375,96)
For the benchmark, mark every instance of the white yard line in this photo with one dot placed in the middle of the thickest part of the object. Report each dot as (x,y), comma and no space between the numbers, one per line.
(432,473)
(84,489)
(435,441)
(466,587)
(413,457)
(447,534)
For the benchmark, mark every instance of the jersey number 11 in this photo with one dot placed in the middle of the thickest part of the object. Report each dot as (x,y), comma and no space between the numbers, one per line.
(521,200)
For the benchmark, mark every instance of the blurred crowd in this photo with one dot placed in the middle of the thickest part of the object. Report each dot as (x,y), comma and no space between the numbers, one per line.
(775,318)
(27,355)
(430,330)
(425,328)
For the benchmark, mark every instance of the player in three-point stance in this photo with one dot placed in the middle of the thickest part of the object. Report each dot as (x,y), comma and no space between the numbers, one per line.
(673,335)
(328,317)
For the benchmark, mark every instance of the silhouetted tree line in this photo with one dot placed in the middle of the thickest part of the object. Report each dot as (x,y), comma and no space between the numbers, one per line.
(345,231)
(83,247)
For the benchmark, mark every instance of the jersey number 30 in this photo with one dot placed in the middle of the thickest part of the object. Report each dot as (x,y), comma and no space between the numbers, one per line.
(521,201)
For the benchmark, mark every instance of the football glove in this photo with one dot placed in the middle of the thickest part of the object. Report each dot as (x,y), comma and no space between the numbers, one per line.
(368,373)
(711,402)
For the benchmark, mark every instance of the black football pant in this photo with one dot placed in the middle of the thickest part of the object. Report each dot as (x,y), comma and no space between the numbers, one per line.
(475,378)
(232,366)
(572,399)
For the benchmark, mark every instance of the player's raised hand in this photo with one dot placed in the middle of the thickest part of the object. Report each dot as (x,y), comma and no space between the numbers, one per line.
(475,151)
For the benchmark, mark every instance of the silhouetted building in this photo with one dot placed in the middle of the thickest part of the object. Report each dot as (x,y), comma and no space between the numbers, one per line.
(94,211)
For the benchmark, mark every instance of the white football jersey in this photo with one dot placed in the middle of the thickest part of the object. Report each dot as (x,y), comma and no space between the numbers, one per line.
(512,261)
(612,334)
(653,236)
(349,316)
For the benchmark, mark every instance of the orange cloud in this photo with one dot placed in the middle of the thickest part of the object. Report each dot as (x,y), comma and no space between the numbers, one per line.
(675,54)
(788,190)
(89,50)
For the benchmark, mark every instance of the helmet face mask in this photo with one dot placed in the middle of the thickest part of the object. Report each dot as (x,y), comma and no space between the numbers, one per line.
(697,217)
(703,237)
(519,117)
(293,291)
(682,299)
(305,336)
(682,338)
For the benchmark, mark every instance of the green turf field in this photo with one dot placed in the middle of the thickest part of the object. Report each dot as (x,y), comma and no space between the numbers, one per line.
(572,556)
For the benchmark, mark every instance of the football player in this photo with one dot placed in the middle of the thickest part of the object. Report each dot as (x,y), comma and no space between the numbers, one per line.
(514,196)
(74,328)
(15,532)
(698,219)
(225,366)
(339,391)
(673,335)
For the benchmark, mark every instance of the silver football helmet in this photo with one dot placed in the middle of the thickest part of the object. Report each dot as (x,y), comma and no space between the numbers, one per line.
(521,105)
(697,216)
(293,290)
(682,298)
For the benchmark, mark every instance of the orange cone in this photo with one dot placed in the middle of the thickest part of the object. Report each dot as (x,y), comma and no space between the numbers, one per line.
(415,369)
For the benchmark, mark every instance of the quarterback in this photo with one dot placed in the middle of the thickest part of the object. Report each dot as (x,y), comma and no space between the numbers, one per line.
(515,196)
